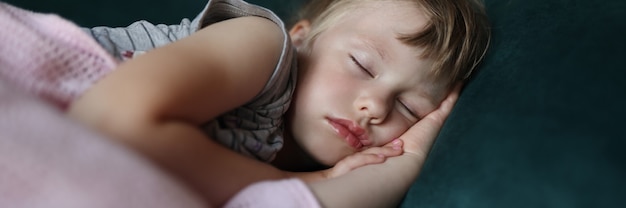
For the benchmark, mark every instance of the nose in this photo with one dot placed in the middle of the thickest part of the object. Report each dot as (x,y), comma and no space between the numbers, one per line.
(374,106)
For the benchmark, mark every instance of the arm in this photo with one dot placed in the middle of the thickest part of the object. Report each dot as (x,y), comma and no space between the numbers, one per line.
(374,155)
(383,185)
(155,102)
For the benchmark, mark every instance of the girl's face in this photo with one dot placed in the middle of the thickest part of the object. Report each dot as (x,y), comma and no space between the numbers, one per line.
(359,86)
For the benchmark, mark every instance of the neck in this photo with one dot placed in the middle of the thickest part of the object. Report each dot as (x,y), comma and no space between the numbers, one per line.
(295,159)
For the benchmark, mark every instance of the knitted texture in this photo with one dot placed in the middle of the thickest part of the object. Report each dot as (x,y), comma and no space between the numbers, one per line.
(286,193)
(49,56)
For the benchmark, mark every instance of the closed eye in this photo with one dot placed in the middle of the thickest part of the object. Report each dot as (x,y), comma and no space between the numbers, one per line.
(362,67)
(409,111)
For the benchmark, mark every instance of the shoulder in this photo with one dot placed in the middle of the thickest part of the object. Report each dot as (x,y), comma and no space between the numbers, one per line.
(244,41)
(231,60)
(247,26)
(219,10)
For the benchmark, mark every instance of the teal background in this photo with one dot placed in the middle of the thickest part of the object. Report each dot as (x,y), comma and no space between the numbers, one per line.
(91,13)
(541,124)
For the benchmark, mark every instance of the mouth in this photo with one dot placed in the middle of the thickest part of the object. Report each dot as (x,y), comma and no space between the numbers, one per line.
(354,135)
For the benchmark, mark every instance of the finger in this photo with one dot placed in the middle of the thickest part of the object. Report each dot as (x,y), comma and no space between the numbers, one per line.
(446,106)
(394,143)
(419,138)
(361,159)
(438,116)
(435,119)
(354,161)
(391,149)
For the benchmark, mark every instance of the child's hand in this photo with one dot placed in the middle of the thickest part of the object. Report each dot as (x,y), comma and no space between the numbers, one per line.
(420,137)
(373,155)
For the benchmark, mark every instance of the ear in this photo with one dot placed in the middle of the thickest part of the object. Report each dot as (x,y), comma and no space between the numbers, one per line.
(299,32)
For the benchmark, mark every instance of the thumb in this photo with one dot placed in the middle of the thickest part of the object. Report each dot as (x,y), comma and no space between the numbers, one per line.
(419,138)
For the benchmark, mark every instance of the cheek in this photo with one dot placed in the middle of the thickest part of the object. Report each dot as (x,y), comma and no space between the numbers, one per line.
(393,129)
(327,85)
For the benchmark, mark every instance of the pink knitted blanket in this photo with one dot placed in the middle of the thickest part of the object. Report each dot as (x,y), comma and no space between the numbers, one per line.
(49,56)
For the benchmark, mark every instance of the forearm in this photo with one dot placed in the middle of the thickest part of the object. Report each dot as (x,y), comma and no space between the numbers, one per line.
(378,185)
(308,177)
(216,172)
(184,152)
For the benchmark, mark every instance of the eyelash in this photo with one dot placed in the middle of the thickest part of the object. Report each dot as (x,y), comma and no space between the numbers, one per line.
(409,110)
(368,72)
(362,67)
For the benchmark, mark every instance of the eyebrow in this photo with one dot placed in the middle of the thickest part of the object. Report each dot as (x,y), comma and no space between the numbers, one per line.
(369,44)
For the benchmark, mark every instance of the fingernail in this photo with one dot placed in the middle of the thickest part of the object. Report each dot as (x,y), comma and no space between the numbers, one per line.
(397,147)
(381,155)
(396,142)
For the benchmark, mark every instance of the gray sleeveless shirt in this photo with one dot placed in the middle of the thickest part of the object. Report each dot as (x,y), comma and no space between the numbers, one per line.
(254,129)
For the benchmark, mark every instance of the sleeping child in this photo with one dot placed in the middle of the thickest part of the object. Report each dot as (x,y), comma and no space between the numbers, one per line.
(347,102)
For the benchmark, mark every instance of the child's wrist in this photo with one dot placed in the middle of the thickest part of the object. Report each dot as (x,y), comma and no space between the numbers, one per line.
(308,177)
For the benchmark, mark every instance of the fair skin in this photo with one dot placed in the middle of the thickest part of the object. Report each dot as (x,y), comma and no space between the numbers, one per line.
(146,98)
(384,184)
(361,79)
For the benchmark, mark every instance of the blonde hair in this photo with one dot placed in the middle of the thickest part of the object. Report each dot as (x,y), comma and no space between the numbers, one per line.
(456,37)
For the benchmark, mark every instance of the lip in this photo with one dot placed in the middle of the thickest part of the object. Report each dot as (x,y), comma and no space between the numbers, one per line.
(354,135)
